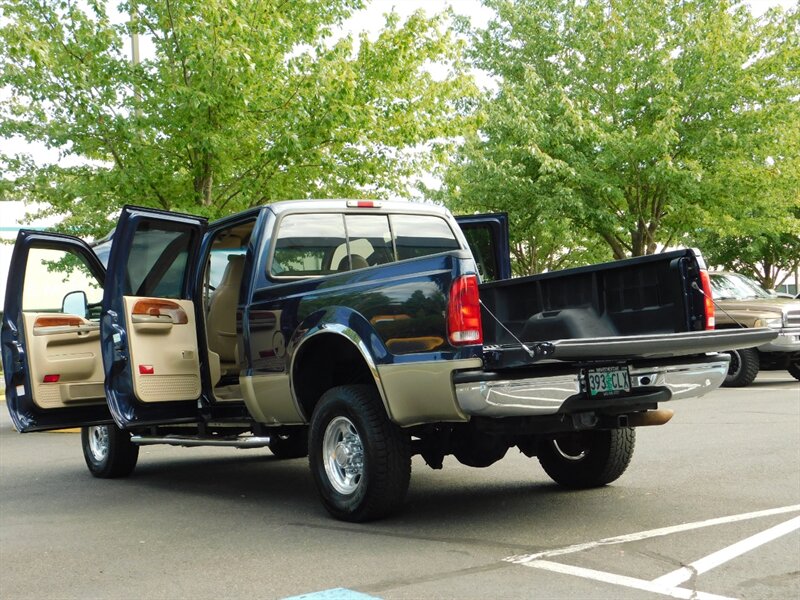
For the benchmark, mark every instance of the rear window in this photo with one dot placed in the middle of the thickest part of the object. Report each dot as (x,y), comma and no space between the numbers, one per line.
(420,236)
(310,245)
(306,244)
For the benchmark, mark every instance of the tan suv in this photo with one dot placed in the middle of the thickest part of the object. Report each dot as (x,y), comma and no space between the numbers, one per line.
(741,302)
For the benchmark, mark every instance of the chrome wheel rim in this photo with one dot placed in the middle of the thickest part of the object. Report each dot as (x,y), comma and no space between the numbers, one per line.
(736,364)
(98,442)
(343,453)
(569,449)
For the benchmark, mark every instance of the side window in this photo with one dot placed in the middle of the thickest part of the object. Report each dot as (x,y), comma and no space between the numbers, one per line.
(306,244)
(418,235)
(158,261)
(52,274)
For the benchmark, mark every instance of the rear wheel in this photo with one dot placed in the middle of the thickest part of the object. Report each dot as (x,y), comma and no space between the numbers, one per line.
(743,367)
(588,458)
(360,461)
(108,451)
(794,368)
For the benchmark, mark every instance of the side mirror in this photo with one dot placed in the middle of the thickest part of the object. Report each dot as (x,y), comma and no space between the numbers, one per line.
(75,303)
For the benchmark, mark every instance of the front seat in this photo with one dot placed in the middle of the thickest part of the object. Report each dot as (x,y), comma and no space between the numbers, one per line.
(221,321)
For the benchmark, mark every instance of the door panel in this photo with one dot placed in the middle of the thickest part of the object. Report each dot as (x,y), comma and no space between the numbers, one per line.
(52,358)
(149,325)
(65,363)
(163,341)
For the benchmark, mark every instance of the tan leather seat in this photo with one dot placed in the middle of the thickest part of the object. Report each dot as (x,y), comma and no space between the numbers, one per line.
(221,321)
(359,262)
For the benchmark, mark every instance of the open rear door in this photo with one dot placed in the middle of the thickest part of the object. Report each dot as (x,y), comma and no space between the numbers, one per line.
(149,326)
(51,334)
(487,236)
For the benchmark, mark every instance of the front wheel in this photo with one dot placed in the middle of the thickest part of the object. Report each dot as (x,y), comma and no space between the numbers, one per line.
(108,451)
(743,368)
(360,461)
(794,368)
(587,459)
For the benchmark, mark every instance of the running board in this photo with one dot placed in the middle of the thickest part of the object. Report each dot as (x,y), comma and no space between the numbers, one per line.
(180,440)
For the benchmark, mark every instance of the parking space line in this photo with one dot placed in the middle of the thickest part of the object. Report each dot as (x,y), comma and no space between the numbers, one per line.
(521,559)
(623,580)
(720,557)
(752,390)
(667,585)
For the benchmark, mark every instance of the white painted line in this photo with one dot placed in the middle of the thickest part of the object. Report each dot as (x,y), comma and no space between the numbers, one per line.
(720,557)
(630,582)
(751,390)
(521,559)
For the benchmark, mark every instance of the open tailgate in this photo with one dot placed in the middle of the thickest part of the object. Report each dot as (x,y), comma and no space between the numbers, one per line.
(663,345)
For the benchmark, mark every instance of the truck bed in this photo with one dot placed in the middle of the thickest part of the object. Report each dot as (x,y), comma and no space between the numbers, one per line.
(647,307)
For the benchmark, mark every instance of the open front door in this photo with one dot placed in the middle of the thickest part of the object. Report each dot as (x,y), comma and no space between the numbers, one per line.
(487,236)
(149,326)
(51,334)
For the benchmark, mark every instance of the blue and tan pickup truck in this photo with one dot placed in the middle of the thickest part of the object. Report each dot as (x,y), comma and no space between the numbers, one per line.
(357,333)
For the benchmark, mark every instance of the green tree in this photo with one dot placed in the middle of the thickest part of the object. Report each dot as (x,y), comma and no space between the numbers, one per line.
(629,121)
(769,258)
(755,225)
(242,103)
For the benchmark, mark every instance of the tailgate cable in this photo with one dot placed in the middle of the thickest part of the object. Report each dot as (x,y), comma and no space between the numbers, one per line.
(530,352)
(699,289)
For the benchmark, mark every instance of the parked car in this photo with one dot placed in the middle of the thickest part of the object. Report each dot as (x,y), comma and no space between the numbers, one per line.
(358,333)
(743,303)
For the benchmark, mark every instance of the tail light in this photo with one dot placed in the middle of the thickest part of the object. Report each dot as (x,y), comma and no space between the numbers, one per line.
(464,312)
(708,300)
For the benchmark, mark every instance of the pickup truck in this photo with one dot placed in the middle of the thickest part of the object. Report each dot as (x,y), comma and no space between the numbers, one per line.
(357,333)
(741,302)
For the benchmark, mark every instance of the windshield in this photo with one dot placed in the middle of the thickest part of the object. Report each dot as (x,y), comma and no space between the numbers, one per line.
(731,286)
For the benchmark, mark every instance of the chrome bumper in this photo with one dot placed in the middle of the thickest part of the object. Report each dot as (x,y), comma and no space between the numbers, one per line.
(788,340)
(545,395)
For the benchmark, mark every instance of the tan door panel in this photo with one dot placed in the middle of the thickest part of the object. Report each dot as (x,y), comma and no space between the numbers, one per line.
(162,341)
(66,367)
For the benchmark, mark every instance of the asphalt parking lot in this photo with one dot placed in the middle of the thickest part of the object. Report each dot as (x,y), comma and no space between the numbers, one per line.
(709,508)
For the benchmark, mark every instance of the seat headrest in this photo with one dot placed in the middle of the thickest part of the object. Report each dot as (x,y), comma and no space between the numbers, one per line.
(233,270)
(358,262)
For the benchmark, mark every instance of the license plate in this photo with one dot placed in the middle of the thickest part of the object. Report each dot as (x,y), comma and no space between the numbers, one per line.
(604,381)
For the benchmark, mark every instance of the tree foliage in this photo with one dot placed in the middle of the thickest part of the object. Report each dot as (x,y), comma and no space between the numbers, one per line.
(240,103)
(632,122)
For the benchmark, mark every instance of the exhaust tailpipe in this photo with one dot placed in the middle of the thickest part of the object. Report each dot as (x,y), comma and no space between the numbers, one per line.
(650,417)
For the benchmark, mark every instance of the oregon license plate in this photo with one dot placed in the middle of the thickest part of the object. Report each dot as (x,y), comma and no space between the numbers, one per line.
(608,380)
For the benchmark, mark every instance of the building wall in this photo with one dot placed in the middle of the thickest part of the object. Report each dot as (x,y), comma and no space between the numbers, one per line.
(14,215)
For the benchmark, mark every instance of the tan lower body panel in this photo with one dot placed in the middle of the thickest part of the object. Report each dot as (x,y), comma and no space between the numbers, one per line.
(422,392)
(269,399)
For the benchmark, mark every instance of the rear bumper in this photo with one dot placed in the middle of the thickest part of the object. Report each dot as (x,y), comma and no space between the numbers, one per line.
(788,340)
(547,395)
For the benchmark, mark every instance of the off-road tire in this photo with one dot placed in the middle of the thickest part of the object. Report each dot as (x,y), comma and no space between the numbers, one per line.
(794,368)
(359,459)
(108,451)
(587,459)
(743,368)
(289,445)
